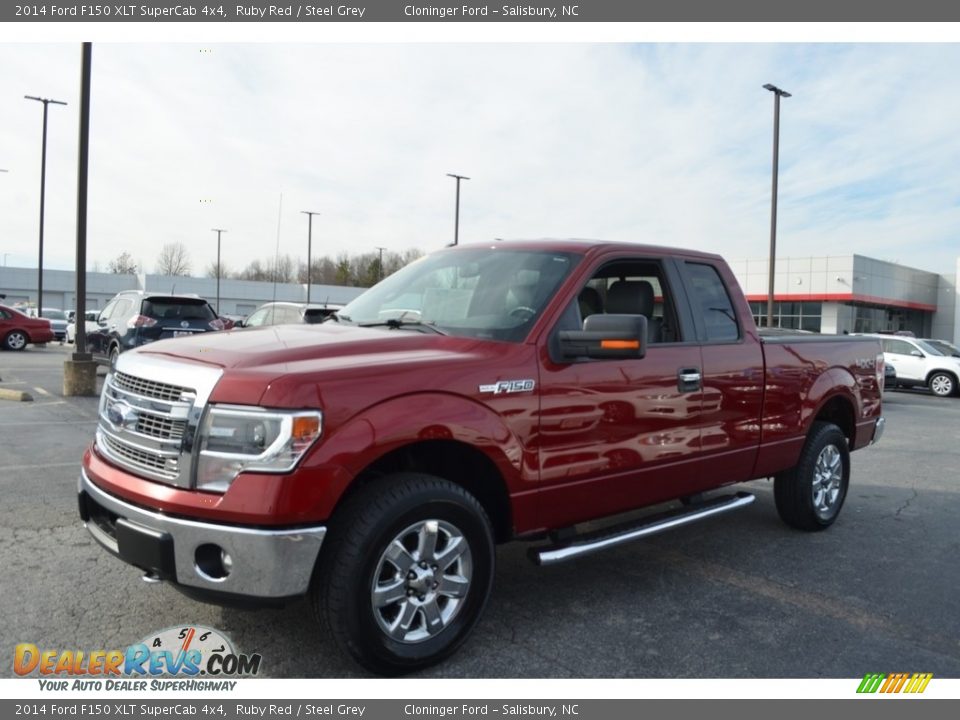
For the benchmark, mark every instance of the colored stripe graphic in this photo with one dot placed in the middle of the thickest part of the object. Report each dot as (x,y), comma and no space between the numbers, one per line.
(894,683)
(871,681)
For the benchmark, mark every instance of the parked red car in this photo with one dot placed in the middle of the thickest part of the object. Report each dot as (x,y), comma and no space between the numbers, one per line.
(17,330)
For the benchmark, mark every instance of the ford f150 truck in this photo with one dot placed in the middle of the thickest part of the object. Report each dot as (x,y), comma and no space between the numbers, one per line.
(485,393)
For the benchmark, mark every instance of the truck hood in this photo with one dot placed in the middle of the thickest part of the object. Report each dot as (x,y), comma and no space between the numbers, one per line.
(281,347)
(331,365)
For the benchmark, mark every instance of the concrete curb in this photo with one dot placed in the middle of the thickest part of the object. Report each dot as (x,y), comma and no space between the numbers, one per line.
(15,395)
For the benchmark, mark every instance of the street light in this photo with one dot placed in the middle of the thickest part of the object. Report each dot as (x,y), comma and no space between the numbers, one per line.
(456,219)
(380,266)
(43,184)
(218,231)
(309,214)
(777,94)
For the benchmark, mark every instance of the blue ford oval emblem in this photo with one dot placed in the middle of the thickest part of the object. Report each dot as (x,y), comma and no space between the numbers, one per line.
(120,414)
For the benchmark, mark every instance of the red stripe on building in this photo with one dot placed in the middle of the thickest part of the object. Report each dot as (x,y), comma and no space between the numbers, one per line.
(844,297)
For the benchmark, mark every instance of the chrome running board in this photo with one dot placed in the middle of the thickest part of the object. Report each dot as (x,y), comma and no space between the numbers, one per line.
(617,535)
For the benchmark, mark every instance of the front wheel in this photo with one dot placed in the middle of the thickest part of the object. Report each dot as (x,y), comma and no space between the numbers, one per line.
(809,496)
(114,355)
(942,385)
(406,572)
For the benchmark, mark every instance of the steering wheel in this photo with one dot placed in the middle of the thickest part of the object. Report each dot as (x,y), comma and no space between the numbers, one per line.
(522,312)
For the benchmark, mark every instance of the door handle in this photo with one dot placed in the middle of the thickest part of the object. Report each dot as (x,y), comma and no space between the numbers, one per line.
(689,380)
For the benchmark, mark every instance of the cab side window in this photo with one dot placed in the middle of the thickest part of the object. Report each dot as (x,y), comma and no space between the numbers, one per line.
(712,302)
(627,287)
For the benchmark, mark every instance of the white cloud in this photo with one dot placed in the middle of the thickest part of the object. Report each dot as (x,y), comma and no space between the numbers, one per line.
(666,144)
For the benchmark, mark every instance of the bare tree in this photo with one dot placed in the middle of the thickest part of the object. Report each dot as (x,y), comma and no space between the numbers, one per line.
(123,264)
(174,259)
(211,271)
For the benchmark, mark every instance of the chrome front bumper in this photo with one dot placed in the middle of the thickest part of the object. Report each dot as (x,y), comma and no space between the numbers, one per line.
(878,430)
(267,564)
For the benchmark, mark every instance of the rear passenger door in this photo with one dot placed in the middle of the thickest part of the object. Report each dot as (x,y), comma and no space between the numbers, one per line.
(733,373)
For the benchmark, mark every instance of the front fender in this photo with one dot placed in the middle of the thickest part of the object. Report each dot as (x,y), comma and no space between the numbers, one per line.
(392,424)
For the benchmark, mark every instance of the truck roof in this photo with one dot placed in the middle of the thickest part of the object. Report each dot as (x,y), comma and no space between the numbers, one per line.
(585,246)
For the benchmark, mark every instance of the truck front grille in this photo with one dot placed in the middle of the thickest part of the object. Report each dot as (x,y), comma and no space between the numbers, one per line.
(140,459)
(149,388)
(143,425)
(159,426)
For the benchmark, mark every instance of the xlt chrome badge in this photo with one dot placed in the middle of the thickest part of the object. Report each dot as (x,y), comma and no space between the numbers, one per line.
(508,386)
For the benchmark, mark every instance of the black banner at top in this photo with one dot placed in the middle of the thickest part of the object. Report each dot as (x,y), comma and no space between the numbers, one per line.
(323,11)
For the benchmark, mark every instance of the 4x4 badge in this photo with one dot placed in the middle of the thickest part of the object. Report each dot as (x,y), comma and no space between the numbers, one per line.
(508,386)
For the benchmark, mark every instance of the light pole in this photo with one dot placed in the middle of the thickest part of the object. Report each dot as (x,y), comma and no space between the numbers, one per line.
(456,217)
(777,94)
(309,214)
(380,265)
(218,231)
(43,184)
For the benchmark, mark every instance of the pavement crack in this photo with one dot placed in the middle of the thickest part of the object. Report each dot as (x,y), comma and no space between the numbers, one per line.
(906,504)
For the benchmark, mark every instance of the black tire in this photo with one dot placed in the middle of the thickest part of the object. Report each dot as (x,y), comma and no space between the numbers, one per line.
(942,384)
(114,354)
(354,560)
(796,491)
(15,340)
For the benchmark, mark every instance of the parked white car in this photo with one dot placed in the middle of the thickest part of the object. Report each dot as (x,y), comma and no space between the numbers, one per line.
(917,362)
(90,323)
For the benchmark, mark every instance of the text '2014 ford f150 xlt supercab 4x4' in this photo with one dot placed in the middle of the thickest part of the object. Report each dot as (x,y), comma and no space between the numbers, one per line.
(482,394)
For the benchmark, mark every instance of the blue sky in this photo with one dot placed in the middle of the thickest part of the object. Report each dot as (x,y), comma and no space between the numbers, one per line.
(660,143)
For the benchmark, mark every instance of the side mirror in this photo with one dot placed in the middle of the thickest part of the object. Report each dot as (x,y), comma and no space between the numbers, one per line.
(606,337)
(916,353)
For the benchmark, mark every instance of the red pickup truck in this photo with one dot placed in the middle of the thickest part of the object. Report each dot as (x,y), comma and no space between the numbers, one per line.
(485,393)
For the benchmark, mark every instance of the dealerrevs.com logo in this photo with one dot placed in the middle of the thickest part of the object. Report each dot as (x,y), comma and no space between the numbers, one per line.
(187,652)
(888,683)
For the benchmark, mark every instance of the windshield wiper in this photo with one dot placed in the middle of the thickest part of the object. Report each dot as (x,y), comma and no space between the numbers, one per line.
(397,323)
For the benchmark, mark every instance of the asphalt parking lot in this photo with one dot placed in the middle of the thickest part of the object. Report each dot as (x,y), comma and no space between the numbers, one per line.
(736,596)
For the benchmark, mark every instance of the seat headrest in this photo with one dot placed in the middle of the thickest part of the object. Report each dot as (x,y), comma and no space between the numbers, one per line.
(630,297)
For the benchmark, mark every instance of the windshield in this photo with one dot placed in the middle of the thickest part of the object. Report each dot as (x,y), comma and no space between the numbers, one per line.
(489,292)
(54,314)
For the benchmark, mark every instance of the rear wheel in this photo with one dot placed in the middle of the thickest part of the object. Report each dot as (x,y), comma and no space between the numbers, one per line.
(943,384)
(15,340)
(810,495)
(406,572)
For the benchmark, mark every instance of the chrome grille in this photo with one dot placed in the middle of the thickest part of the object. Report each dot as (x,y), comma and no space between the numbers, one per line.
(138,458)
(149,388)
(159,426)
(143,426)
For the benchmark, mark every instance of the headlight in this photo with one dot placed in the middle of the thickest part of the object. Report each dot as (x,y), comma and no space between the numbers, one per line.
(233,439)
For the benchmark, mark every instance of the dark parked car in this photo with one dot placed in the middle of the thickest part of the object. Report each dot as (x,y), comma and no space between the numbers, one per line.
(288,313)
(135,318)
(18,330)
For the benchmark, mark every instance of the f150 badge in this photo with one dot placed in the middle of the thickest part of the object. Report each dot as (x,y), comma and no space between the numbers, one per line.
(508,386)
